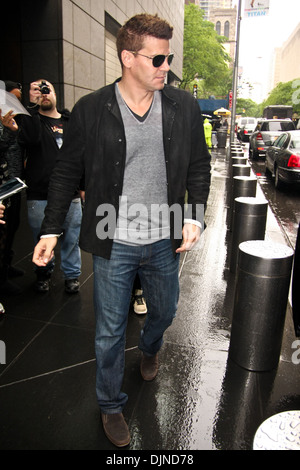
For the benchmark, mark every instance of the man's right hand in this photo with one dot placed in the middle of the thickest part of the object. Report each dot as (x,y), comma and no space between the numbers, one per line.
(34,93)
(44,251)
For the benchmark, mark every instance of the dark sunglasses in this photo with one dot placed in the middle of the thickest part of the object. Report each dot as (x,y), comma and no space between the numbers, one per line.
(157,60)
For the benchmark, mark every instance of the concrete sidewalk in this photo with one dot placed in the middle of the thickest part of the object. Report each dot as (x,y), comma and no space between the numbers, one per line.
(200,398)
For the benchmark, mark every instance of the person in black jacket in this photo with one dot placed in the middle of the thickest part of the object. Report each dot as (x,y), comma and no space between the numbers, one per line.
(11,165)
(141,146)
(2,222)
(42,136)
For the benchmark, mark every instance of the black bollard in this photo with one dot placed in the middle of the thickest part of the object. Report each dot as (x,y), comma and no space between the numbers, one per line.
(243,186)
(237,153)
(240,169)
(239,160)
(261,295)
(249,223)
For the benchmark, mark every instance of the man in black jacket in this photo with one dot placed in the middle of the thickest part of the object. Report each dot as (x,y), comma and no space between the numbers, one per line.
(42,136)
(141,146)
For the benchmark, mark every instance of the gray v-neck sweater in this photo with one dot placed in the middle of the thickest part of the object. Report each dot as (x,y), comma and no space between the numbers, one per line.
(144,213)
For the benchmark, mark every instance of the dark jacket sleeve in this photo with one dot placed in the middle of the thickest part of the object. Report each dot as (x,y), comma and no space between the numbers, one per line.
(66,176)
(199,177)
(30,127)
(7,137)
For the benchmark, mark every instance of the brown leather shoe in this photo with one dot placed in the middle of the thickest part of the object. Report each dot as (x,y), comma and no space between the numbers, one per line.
(149,367)
(116,429)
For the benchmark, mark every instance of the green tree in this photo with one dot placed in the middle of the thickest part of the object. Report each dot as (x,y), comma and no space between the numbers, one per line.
(247,107)
(205,60)
(287,93)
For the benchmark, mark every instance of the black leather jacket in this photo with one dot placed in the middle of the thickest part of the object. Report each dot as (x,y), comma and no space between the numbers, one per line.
(95,146)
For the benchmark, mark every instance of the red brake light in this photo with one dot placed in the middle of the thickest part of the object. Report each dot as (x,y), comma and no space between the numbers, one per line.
(259,136)
(245,131)
(294,161)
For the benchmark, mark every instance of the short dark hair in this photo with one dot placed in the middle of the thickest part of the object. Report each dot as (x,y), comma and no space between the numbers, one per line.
(131,35)
(10,85)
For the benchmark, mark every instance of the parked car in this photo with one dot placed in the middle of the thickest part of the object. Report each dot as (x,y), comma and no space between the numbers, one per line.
(265,133)
(283,159)
(245,127)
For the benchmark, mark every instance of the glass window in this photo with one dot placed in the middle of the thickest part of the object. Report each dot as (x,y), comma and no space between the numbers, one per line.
(280,141)
(295,142)
(218,27)
(287,126)
(275,126)
(226,29)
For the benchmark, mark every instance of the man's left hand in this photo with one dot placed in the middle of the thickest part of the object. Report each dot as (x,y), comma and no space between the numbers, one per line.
(191,235)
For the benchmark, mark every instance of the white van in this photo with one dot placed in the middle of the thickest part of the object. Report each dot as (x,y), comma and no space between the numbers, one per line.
(245,127)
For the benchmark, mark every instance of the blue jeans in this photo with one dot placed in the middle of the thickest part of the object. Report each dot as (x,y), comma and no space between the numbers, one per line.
(69,248)
(113,281)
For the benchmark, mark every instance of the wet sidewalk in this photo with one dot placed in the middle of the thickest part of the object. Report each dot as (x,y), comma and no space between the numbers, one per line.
(200,399)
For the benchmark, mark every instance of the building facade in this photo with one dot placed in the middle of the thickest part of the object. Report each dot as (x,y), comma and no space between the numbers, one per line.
(72,43)
(286,63)
(225,20)
(208,5)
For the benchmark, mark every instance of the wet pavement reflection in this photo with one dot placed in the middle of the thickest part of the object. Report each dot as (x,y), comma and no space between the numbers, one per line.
(285,203)
(200,400)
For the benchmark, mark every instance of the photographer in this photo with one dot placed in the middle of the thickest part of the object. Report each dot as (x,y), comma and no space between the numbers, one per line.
(42,136)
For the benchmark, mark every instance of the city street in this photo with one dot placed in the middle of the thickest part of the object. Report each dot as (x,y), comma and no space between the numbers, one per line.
(229,363)
(200,400)
(285,204)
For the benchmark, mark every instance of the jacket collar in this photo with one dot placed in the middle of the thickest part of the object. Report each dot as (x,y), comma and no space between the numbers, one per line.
(167,92)
(170,104)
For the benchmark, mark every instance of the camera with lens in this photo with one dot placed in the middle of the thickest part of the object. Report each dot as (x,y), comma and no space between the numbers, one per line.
(44,89)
